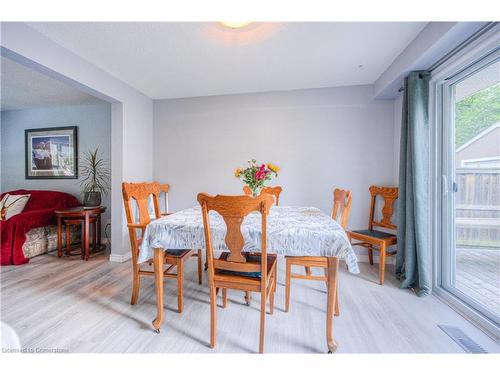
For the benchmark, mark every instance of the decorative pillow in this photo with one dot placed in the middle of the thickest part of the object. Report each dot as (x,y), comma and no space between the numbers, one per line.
(11,205)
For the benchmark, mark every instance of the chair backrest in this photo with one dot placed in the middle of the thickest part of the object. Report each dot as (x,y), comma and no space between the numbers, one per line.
(164,188)
(140,193)
(274,191)
(389,194)
(233,210)
(341,206)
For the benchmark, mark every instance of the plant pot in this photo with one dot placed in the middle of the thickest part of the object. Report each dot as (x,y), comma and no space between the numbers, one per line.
(92,199)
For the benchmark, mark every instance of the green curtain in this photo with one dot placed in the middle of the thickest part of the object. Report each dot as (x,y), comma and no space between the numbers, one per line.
(413,256)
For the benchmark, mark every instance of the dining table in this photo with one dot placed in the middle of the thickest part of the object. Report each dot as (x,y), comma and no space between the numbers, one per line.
(291,231)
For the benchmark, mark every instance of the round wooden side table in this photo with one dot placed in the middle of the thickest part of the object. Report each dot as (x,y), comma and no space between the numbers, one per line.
(84,216)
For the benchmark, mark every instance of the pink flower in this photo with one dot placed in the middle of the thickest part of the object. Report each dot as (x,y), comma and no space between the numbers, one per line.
(261,173)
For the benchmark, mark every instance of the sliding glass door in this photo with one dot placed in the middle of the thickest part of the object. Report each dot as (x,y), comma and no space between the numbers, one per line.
(470,266)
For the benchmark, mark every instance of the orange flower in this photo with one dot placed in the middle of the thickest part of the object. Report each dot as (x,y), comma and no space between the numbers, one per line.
(238,172)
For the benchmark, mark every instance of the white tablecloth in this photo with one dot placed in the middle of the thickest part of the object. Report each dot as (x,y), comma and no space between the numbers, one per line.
(294,231)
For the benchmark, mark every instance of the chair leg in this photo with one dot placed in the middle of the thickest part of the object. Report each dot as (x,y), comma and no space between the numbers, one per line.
(213,317)
(136,279)
(262,320)
(333,268)
(248,298)
(159,260)
(370,255)
(180,285)
(308,270)
(271,303)
(224,298)
(200,272)
(326,277)
(271,297)
(381,269)
(337,309)
(287,283)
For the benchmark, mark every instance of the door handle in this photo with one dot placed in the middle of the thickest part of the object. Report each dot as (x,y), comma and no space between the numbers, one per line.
(444,185)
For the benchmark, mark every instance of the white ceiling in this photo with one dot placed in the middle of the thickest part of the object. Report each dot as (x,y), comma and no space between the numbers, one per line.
(22,87)
(175,59)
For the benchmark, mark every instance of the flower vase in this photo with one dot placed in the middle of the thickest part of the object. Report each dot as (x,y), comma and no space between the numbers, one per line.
(256,192)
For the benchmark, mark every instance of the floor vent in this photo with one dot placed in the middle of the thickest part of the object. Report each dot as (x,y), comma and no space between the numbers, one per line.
(462,340)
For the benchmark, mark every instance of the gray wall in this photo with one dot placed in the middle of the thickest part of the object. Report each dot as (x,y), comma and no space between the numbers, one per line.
(321,139)
(94,130)
(398,117)
(131,112)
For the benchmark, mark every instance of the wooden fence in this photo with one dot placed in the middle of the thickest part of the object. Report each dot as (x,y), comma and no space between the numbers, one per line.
(477,203)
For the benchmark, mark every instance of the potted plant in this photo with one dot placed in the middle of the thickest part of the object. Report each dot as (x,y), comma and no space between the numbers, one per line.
(95,178)
(256,177)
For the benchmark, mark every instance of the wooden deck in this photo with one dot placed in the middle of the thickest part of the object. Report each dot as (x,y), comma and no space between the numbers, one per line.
(478,275)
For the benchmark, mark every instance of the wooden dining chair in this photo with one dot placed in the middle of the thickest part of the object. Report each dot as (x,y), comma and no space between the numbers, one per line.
(374,239)
(274,191)
(164,189)
(340,213)
(234,269)
(140,193)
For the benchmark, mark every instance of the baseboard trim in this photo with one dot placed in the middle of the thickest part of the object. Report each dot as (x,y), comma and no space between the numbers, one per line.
(120,258)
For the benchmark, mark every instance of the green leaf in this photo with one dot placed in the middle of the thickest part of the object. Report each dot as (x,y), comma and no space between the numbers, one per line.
(95,174)
(475,113)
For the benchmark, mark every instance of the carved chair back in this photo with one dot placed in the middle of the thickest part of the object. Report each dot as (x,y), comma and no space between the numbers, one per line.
(389,195)
(233,210)
(341,206)
(139,193)
(274,191)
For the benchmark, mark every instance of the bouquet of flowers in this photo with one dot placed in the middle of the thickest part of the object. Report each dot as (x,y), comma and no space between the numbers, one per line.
(256,177)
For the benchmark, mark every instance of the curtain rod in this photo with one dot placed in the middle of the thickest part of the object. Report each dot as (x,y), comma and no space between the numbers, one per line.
(458,48)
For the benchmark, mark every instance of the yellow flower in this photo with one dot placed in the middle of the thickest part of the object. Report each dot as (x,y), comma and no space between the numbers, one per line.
(238,172)
(273,167)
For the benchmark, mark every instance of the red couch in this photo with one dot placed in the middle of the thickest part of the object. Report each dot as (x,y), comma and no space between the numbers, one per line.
(39,212)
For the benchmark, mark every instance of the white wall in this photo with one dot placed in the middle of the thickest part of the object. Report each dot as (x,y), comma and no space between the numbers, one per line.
(398,111)
(131,112)
(94,130)
(321,138)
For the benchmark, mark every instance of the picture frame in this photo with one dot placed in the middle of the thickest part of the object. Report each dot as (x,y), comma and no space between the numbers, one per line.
(51,153)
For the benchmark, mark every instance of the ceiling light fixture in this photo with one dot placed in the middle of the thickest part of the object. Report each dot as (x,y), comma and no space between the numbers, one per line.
(235,24)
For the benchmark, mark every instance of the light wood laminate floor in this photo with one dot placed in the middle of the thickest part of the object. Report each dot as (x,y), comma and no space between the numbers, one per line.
(82,306)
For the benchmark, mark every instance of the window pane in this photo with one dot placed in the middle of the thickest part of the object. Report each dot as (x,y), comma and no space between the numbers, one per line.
(477,197)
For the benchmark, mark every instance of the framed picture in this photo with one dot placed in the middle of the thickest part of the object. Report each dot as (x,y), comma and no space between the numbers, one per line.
(51,153)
